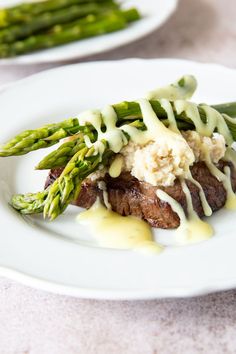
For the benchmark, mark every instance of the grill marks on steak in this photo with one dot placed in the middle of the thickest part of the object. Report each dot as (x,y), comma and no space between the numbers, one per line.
(128,196)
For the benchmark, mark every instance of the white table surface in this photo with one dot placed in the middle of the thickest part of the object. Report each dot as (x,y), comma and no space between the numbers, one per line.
(37,322)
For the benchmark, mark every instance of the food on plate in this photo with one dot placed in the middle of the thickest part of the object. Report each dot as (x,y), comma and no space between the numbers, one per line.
(129,196)
(24,11)
(162,159)
(45,24)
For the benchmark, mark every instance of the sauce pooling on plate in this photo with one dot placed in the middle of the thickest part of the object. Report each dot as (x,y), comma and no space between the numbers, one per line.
(191,229)
(112,230)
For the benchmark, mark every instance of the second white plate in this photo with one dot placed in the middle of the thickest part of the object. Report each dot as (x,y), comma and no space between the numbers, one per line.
(154,12)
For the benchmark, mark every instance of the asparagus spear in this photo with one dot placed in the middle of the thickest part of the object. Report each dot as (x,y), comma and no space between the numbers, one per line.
(65,152)
(227,108)
(26,11)
(43,137)
(89,27)
(49,19)
(67,186)
(61,156)
(30,203)
(54,200)
(49,135)
(131,110)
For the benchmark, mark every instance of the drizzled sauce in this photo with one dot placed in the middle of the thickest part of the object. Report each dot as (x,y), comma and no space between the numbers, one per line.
(206,207)
(116,166)
(230,156)
(231,197)
(113,230)
(191,229)
(182,89)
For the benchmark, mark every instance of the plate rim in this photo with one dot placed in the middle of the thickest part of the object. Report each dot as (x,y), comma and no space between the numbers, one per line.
(12,84)
(112,295)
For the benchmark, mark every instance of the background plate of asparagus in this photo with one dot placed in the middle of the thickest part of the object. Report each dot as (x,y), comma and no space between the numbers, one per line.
(60,30)
(61,255)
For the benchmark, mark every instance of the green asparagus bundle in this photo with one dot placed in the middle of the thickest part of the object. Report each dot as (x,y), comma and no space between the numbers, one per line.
(47,20)
(65,152)
(80,159)
(92,25)
(27,11)
(127,112)
(61,156)
(43,137)
(67,187)
(30,203)
(54,200)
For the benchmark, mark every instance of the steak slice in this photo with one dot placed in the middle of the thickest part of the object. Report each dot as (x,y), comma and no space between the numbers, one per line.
(128,196)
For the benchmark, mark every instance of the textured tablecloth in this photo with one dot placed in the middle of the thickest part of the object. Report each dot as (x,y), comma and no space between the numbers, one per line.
(37,322)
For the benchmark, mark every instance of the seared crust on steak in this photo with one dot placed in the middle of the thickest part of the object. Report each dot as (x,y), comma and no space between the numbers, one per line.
(128,196)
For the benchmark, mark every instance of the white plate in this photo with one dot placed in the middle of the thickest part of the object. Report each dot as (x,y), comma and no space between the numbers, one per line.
(61,256)
(155,13)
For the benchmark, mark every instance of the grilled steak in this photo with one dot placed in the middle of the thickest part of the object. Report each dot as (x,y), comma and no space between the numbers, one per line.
(128,196)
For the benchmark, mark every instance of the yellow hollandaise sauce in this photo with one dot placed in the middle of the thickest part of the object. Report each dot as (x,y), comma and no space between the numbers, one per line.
(115,231)
(231,196)
(191,229)
(112,230)
(116,167)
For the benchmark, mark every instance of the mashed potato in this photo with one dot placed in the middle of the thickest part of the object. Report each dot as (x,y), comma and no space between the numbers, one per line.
(160,162)
(214,146)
